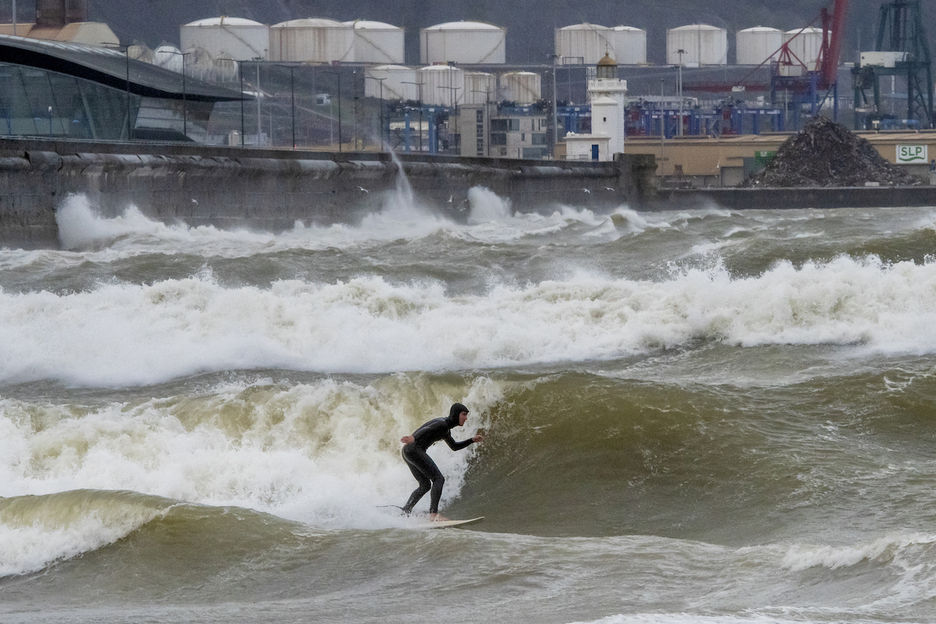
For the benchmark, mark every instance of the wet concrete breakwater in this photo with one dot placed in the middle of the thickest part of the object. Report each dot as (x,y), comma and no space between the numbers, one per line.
(272,189)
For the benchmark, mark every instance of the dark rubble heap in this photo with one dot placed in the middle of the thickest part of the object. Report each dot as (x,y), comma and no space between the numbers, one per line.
(825,153)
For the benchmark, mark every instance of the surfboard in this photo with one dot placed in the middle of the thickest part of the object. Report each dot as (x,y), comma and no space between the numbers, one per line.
(446,524)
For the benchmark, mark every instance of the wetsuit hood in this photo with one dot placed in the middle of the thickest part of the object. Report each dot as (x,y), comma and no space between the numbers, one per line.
(457,409)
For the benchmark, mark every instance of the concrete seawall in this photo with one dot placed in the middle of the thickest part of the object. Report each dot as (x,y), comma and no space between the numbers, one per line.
(272,189)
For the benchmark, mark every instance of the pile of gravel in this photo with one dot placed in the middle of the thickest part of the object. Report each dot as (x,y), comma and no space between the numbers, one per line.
(825,153)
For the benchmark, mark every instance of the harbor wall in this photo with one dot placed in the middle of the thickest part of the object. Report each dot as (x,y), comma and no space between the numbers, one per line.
(273,189)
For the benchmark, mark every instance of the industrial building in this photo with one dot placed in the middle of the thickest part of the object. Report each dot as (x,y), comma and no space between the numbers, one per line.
(323,80)
(84,92)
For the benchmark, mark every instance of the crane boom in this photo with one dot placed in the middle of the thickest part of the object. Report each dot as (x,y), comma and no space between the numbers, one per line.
(833,29)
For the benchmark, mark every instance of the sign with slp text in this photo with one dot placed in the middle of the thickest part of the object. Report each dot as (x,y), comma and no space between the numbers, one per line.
(912,154)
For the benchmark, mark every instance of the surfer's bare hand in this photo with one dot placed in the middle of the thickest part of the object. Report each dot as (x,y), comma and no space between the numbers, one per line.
(478,438)
(407,439)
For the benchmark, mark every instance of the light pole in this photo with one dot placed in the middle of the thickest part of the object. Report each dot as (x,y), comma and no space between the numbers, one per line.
(662,130)
(240,75)
(184,97)
(419,85)
(555,106)
(339,105)
(257,60)
(381,133)
(126,50)
(679,127)
(292,93)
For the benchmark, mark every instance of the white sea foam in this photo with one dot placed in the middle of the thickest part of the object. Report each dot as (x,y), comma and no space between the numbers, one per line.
(887,549)
(490,218)
(120,334)
(326,454)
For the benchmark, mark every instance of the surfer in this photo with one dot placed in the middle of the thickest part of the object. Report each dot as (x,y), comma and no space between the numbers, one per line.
(422,466)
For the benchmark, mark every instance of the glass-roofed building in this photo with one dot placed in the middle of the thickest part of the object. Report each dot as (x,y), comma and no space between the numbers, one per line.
(53,89)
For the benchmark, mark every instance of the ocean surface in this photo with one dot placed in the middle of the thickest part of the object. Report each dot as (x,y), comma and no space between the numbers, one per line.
(692,417)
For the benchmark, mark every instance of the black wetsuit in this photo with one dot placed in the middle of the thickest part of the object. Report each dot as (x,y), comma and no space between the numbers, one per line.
(422,466)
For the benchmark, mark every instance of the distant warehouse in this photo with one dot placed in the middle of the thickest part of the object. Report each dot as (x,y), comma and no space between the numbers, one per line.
(76,91)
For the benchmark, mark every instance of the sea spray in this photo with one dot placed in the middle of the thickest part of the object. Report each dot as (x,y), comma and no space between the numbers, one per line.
(325,454)
(120,334)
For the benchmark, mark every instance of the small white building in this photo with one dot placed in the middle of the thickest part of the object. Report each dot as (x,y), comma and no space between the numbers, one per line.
(607,94)
(588,147)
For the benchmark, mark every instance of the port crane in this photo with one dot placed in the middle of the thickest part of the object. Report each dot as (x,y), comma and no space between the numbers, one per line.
(900,51)
(794,83)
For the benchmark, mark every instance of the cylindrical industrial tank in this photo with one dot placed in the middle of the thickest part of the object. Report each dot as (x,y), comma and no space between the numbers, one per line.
(755,45)
(442,85)
(315,40)
(521,87)
(238,38)
(199,64)
(168,57)
(141,52)
(377,42)
(584,43)
(399,82)
(463,42)
(480,88)
(225,69)
(805,44)
(630,45)
(701,45)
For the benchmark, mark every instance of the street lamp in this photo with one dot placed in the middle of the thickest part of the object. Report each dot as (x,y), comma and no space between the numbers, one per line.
(339,105)
(679,89)
(292,93)
(184,97)
(419,100)
(380,80)
(555,106)
(126,50)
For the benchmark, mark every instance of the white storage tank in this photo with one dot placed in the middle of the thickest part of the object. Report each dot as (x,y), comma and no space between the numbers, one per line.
(314,40)
(168,57)
(630,45)
(399,82)
(463,42)
(584,43)
(442,85)
(521,87)
(234,37)
(756,45)
(141,52)
(377,42)
(199,64)
(701,45)
(480,88)
(805,43)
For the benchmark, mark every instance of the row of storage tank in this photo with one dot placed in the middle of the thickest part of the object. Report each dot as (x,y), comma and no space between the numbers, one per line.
(433,85)
(360,41)
(446,85)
